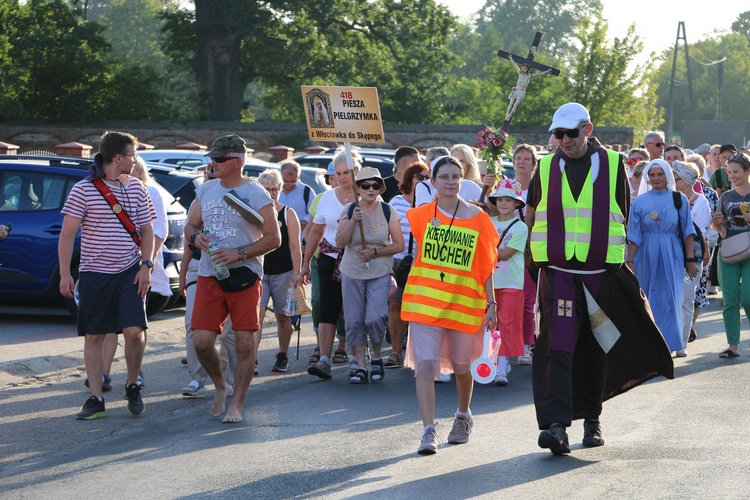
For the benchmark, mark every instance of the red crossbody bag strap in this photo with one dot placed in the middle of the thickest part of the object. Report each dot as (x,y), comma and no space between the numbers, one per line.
(121,215)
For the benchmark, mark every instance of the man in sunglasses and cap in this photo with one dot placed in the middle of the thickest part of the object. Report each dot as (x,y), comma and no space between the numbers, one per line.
(240,219)
(597,337)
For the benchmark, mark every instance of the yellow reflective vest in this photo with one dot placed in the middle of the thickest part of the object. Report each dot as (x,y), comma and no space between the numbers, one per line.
(578,216)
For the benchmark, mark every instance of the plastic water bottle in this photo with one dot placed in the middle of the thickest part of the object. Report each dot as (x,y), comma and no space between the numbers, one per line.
(290,309)
(220,270)
(494,346)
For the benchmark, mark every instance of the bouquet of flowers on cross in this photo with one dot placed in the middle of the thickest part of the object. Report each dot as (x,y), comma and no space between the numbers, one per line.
(492,145)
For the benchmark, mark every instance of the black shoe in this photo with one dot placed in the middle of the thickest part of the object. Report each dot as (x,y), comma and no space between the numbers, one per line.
(592,433)
(555,438)
(93,408)
(135,403)
(106,382)
(282,363)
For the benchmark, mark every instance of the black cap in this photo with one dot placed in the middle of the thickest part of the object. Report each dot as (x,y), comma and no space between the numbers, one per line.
(728,147)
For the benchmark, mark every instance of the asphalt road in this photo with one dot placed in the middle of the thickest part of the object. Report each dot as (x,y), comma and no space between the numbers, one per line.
(306,438)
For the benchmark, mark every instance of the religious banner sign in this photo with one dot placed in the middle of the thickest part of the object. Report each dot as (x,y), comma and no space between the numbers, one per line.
(343,114)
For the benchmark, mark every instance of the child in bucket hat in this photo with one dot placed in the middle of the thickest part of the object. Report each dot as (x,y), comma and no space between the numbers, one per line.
(509,273)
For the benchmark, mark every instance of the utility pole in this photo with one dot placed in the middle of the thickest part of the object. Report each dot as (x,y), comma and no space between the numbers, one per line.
(681,35)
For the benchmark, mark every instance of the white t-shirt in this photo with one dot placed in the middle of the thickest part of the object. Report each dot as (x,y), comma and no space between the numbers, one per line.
(509,273)
(327,213)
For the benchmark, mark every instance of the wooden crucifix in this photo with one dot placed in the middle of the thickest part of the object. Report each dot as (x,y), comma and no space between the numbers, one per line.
(524,66)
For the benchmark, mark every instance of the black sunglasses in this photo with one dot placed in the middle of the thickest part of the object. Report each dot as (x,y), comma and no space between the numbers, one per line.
(657,144)
(423,177)
(222,159)
(559,134)
(367,185)
(739,158)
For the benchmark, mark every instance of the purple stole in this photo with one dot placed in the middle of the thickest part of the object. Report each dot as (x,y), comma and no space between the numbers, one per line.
(564,294)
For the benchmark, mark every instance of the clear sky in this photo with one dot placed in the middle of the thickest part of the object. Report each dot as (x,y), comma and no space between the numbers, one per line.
(656,20)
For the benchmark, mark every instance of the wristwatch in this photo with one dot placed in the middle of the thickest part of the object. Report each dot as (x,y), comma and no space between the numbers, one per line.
(692,259)
(147,263)
(193,236)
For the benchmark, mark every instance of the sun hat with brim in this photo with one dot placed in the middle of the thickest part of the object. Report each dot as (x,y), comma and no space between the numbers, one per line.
(370,173)
(509,188)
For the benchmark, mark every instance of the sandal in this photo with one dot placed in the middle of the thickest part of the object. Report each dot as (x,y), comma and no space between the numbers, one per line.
(395,360)
(729,354)
(377,373)
(359,377)
(315,356)
(340,357)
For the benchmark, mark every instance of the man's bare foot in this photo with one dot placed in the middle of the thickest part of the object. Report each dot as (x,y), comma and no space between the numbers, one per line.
(233,416)
(220,401)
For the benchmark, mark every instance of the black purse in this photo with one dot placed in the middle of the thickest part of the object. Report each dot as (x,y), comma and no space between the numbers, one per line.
(239,279)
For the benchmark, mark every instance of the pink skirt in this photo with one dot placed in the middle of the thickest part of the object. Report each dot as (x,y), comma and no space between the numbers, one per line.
(510,321)
(432,350)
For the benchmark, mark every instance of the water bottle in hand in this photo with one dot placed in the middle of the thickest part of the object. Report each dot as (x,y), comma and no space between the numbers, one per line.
(290,309)
(220,270)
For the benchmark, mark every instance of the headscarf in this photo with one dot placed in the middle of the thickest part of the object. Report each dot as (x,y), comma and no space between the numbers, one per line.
(645,186)
(684,171)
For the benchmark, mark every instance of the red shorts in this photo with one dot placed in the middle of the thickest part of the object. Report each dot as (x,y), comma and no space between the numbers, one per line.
(212,305)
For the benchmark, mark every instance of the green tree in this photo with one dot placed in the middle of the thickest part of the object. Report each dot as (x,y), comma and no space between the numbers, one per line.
(602,78)
(62,59)
(742,24)
(398,46)
(11,73)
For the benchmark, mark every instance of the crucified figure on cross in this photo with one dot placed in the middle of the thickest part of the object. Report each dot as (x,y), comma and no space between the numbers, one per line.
(519,91)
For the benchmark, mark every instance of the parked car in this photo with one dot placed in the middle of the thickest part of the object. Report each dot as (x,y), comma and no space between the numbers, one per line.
(188,160)
(384,166)
(386,154)
(29,268)
(180,183)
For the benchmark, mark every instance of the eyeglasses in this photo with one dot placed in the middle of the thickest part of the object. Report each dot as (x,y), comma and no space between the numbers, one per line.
(272,190)
(423,177)
(447,178)
(134,155)
(633,161)
(370,185)
(222,159)
(657,144)
(559,134)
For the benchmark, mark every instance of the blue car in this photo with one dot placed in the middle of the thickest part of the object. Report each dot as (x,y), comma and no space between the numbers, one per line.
(33,190)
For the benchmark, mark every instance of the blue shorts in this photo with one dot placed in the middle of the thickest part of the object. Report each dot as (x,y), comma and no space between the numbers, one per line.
(108,303)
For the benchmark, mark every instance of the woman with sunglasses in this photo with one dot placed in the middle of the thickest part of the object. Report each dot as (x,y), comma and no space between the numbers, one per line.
(366,271)
(448,298)
(635,155)
(732,218)
(660,248)
(414,173)
(280,268)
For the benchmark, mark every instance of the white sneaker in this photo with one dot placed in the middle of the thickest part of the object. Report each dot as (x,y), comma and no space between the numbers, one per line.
(429,443)
(501,378)
(526,358)
(194,389)
(681,353)
(444,378)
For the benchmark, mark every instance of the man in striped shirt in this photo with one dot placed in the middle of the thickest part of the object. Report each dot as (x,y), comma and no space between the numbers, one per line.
(114,271)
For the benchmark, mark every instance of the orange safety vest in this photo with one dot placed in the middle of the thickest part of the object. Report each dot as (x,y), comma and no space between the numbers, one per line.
(466,255)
